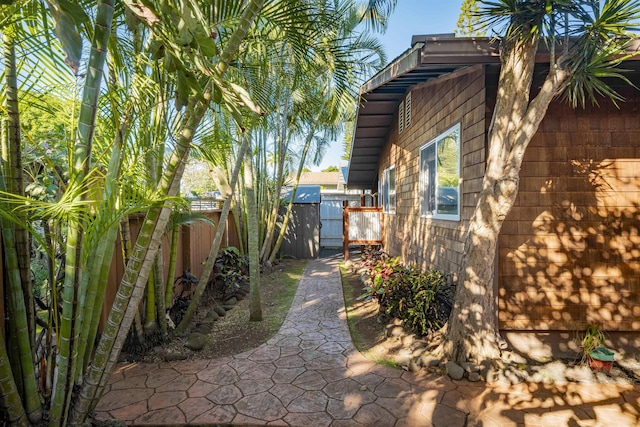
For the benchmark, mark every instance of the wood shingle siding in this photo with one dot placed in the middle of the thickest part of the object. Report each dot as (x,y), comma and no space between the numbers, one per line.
(570,249)
(437,106)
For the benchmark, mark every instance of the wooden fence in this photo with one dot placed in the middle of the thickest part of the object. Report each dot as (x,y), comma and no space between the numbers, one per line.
(194,244)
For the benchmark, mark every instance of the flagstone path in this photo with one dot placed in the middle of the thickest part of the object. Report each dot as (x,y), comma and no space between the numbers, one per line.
(310,374)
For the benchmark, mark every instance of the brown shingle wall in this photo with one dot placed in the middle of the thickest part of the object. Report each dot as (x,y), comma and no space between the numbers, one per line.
(570,249)
(433,243)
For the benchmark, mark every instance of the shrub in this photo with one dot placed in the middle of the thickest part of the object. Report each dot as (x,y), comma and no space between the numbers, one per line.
(231,272)
(423,299)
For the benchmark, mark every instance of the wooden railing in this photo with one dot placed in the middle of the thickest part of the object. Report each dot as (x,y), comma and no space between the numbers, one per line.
(362,225)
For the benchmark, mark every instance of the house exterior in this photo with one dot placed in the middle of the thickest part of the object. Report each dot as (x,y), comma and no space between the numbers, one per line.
(569,251)
(326,180)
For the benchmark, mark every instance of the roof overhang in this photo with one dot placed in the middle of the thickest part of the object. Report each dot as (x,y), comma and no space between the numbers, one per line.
(429,58)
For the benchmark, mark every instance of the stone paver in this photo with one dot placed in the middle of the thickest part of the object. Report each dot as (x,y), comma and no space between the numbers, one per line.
(310,374)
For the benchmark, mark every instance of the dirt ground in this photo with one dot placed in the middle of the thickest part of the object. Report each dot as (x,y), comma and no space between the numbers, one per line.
(234,333)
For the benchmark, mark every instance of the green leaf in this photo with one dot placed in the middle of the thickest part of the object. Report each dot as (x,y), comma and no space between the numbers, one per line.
(64,16)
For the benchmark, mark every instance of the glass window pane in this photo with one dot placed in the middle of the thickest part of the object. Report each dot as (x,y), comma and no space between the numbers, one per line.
(448,155)
(427,180)
(392,180)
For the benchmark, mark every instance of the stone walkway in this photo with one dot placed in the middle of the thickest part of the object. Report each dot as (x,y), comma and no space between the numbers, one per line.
(310,374)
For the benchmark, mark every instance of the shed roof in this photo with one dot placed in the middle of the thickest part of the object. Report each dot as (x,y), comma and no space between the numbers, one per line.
(430,57)
(304,194)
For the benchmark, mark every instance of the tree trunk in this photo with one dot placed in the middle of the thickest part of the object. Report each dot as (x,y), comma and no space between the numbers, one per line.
(9,396)
(255,307)
(137,270)
(215,246)
(472,330)
(71,319)
(12,169)
(173,258)
(18,319)
(21,307)
(281,155)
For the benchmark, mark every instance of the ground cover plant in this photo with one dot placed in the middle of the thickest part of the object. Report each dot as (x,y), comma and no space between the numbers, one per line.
(422,299)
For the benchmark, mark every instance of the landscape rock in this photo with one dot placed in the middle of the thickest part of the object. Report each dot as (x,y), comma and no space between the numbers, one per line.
(407,340)
(492,375)
(414,366)
(474,377)
(515,376)
(403,357)
(454,370)
(170,357)
(195,341)
(221,311)
(212,315)
(231,301)
(512,357)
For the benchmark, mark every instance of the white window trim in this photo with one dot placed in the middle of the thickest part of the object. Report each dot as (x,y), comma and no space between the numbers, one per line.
(385,191)
(422,183)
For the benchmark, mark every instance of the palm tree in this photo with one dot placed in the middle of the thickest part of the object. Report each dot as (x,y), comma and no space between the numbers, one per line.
(328,93)
(255,307)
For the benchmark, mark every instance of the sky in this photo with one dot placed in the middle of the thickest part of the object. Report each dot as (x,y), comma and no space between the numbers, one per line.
(410,17)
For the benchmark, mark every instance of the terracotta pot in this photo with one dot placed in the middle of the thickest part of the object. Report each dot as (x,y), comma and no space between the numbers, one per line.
(601,359)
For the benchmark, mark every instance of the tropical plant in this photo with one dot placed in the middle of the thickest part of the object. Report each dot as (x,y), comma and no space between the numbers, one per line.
(97,192)
(422,299)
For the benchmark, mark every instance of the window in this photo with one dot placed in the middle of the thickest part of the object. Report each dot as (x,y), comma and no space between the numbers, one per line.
(389,189)
(440,176)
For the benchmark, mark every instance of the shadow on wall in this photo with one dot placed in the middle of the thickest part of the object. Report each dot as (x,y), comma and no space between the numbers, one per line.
(302,239)
(580,262)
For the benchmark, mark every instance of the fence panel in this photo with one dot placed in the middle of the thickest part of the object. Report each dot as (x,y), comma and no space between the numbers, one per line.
(362,226)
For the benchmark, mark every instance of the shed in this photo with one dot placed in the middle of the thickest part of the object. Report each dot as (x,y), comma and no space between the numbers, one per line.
(302,238)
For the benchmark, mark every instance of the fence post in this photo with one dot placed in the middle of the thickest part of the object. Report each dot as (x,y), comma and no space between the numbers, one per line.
(345,230)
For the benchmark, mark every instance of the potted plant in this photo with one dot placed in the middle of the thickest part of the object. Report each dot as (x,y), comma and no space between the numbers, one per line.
(596,354)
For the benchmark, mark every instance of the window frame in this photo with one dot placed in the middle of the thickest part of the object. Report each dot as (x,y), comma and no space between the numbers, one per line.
(386,204)
(423,180)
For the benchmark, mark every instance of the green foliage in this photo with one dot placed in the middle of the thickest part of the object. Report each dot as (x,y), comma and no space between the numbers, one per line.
(39,276)
(232,273)
(593,338)
(468,24)
(423,299)
(331,169)
(348,140)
